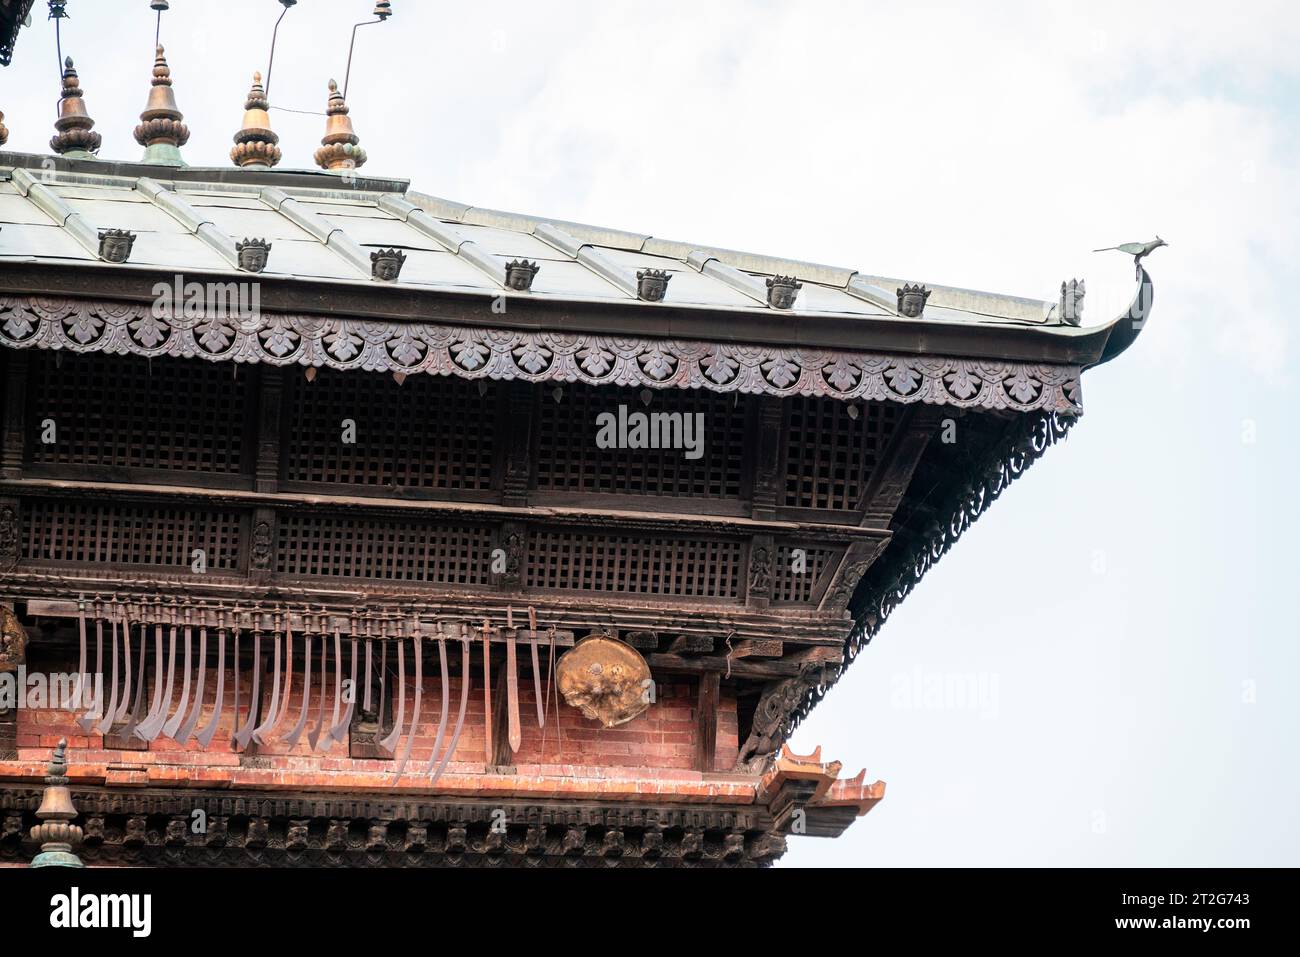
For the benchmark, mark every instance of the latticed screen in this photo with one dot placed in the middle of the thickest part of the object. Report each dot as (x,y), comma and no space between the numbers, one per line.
(642,566)
(427,433)
(57,531)
(569,459)
(337,547)
(128,412)
(797,581)
(830,455)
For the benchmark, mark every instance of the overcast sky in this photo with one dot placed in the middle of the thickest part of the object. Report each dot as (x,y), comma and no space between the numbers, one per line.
(1128,606)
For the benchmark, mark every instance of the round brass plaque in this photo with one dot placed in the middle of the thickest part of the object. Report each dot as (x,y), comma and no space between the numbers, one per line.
(605,679)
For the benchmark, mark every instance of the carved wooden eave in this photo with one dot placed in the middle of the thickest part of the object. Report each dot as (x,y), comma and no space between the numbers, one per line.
(13,14)
(584,818)
(103,325)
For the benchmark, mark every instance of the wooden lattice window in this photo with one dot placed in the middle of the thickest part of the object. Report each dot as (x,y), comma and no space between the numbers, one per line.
(128,412)
(790,586)
(337,547)
(430,432)
(71,532)
(830,455)
(569,460)
(634,565)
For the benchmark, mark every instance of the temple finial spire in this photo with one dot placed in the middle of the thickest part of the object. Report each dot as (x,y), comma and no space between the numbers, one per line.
(56,833)
(75,137)
(255,143)
(161,131)
(339,149)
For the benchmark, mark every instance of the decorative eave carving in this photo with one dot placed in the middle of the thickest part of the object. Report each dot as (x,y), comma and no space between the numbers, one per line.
(285,339)
(895,574)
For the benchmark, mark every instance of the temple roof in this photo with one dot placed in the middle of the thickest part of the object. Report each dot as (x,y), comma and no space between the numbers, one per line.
(324,228)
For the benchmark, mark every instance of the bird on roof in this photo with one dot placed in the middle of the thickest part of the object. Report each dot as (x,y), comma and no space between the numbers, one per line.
(1138,251)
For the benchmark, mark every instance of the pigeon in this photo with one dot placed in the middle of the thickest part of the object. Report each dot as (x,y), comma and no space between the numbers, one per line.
(1138,251)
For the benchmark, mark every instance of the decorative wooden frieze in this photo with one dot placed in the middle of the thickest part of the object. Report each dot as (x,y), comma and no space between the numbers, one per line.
(261,542)
(10,530)
(762,555)
(13,640)
(509,555)
(13,438)
(858,557)
(85,325)
(270,428)
(767,478)
(517,464)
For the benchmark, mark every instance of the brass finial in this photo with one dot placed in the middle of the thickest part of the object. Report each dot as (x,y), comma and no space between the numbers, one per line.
(56,833)
(75,137)
(339,149)
(161,131)
(4,130)
(255,143)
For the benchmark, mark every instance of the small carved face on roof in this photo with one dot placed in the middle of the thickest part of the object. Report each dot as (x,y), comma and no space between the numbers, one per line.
(912,300)
(115,245)
(520,273)
(386,264)
(253,254)
(781,291)
(652,284)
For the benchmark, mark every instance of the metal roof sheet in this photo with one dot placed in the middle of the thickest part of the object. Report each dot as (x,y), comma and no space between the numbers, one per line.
(323,227)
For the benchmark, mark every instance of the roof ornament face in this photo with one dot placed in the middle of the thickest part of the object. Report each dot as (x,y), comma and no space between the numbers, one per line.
(255,143)
(652,284)
(1071,305)
(782,291)
(4,130)
(253,254)
(161,131)
(520,274)
(115,245)
(912,299)
(339,149)
(386,264)
(75,137)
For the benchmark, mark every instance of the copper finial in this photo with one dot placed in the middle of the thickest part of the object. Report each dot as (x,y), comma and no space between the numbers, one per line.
(339,149)
(4,130)
(75,137)
(161,131)
(57,836)
(255,144)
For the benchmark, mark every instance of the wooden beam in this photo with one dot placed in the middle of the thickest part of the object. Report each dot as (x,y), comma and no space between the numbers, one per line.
(758,648)
(758,669)
(691,645)
(432,509)
(706,717)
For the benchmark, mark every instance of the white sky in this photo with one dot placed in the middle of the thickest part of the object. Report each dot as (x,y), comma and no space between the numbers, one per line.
(1122,596)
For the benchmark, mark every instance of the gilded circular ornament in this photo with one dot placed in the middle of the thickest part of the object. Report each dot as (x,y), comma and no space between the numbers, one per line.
(606,679)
